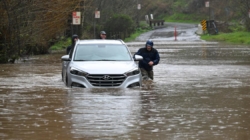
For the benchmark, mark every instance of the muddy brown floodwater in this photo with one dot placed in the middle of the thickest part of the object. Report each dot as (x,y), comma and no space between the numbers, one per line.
(200,93)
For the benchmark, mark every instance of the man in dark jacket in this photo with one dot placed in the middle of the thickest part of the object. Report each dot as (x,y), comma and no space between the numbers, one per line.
(103,35)
(73,42)
(150,58)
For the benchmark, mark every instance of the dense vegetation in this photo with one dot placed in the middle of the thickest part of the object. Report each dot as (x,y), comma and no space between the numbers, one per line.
(33,26)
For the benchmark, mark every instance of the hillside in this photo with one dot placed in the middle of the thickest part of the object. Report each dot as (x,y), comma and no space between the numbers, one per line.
(31,27)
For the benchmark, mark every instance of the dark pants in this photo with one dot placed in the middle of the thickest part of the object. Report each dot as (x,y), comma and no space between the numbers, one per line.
(147,74)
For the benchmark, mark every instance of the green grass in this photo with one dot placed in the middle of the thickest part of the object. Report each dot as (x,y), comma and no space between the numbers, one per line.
(62,44)
(183,18)
(234,38)
(144,27)
(137,33)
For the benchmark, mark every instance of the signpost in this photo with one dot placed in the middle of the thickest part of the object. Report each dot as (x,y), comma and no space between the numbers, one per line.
(151,16)
(204,25)
(207,4)
(137,18)
(76,18)
(97,15)
(139,6)
(147,18)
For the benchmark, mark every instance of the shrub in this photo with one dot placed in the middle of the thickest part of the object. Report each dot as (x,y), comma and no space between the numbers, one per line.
(119,24)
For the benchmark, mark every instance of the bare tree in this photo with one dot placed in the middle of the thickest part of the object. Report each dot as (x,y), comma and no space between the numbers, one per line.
(244,7)
(31,25)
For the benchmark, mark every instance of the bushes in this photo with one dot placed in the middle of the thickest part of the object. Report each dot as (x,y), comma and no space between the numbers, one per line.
(119,25)
(3,58)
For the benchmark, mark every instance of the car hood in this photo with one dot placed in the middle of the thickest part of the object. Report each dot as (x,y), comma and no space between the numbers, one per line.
(105,67)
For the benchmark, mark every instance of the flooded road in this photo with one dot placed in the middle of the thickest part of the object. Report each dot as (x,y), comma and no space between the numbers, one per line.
(199,92)
(183,31)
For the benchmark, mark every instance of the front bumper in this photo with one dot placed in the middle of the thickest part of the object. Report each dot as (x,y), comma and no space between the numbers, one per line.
(81,81)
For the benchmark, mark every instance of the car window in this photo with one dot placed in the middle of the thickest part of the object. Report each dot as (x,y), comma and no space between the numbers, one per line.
(83,52)
(102,52)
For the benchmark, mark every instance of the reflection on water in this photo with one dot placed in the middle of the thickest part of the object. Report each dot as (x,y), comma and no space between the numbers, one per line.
(32,114)
(100,113)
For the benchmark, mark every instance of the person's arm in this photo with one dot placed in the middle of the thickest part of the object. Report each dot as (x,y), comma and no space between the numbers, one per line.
(68,49)
(157,58)
(139,52)
(71,51)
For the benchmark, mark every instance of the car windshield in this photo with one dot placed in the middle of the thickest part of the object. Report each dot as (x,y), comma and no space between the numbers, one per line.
(102,52)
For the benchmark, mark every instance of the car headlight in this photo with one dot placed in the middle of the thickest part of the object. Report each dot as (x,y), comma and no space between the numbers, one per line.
(78,72)
(133,72)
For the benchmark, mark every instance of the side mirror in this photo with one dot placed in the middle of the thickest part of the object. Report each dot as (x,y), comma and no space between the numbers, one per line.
(65,58)
(138,58)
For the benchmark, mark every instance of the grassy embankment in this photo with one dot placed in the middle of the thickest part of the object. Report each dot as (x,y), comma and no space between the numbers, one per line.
(144,27)
(63,44)
(237,36)
(182,18)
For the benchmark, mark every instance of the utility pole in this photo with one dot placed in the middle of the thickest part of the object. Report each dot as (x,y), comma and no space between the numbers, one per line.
(137,18)
(95,23)
(207,4)
(95,17)
(137,14)
(82,4)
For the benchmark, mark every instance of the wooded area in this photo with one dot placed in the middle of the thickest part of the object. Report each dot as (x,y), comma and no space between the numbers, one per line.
(32,26)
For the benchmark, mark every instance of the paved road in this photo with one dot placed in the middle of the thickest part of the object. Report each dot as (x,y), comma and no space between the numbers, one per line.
(184,32)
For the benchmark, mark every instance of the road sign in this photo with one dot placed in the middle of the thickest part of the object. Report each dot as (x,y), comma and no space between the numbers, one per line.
(207,4)
(204,25)
(97,14)
(146,18)
(139,6)
(76,18)
(151,16)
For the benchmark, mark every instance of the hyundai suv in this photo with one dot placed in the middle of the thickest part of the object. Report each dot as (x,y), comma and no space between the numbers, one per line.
(101,64)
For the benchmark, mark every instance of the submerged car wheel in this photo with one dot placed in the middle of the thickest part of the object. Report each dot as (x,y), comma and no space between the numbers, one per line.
(66,80)
(62,76)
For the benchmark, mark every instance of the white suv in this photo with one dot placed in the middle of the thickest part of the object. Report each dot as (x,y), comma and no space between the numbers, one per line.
(101,64)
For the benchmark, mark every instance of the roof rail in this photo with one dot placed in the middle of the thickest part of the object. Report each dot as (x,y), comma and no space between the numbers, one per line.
(121,41)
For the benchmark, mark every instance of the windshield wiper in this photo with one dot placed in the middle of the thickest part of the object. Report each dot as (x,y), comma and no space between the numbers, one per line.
(81,60)
(105,60)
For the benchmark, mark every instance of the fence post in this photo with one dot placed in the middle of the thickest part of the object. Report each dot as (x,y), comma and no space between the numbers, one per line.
(175,33)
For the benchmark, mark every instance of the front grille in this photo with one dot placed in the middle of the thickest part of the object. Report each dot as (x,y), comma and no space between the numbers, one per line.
(106,80)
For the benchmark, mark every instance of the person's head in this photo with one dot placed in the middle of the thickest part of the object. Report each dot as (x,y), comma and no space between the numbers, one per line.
(74,38)
(103,35)
(149,45)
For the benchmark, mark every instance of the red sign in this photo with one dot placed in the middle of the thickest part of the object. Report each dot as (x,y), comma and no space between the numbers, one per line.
(139,6)
(76,18)
(97,14)
(207,4)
